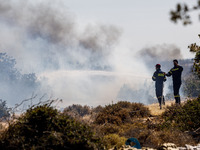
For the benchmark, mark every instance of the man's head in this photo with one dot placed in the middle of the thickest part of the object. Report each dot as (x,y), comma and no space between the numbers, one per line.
(158,66)
(175,61)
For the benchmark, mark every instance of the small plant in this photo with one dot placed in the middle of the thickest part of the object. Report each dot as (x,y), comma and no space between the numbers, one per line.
(113,140)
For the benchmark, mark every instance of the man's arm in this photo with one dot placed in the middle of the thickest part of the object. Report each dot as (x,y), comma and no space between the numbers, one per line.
(181,68)
(165,77)
(169,73)
(154,77)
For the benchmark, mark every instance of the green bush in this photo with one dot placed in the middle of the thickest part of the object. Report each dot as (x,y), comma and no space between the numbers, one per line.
(43,127)
(191,85)
(196,49)
(185,117)
(121,112)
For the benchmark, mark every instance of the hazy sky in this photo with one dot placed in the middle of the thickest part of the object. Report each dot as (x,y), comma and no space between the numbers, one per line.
(84,51)
(143,22)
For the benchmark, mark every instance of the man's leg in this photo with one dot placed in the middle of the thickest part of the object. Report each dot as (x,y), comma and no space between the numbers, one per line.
(159,96)
(163,98)
(176,92)
(179,98)
(160,101)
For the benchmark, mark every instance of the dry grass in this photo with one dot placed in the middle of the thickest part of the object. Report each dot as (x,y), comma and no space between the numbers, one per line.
(155,108)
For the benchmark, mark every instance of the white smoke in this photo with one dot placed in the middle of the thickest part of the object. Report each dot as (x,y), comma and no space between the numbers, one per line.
(160,53)
(79,65)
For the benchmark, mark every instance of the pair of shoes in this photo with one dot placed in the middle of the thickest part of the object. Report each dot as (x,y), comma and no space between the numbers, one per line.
(160,106)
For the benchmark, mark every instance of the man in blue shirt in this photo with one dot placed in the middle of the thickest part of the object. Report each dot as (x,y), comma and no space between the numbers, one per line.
(176,73)
(159,78)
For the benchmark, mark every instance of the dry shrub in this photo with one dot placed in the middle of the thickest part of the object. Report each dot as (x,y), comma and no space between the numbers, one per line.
(133,130)
(77,110)
(113,140)
(121,113)
(108,129)
(124,104)
(155,138)
(139,110)
(97,109)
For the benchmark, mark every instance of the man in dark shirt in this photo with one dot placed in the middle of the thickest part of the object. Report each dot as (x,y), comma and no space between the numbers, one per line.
(176,72)
(159,78)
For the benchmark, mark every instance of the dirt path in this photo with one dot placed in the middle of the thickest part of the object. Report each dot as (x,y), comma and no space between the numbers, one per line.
(155,109)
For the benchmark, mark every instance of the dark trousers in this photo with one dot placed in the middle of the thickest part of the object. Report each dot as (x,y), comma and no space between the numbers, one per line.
(159,94)
(176,87)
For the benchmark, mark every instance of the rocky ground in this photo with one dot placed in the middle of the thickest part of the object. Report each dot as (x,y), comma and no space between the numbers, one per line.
(166,146)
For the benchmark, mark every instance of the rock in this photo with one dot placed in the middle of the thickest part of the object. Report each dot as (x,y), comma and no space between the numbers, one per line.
(169,146)
(147,148)
(192,147)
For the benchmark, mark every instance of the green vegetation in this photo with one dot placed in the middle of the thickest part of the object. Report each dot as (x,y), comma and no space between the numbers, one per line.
(4,111)
(43,127)
(191,85)
(185,118)
(14,80)
(196,49)
(182,12)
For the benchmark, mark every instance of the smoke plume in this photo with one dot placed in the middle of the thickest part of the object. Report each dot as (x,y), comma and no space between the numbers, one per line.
(160,54)
(165,52)
(50,33)
(75,62)
(46,39)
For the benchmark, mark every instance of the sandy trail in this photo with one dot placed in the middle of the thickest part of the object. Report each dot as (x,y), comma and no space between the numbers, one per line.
(155,109)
